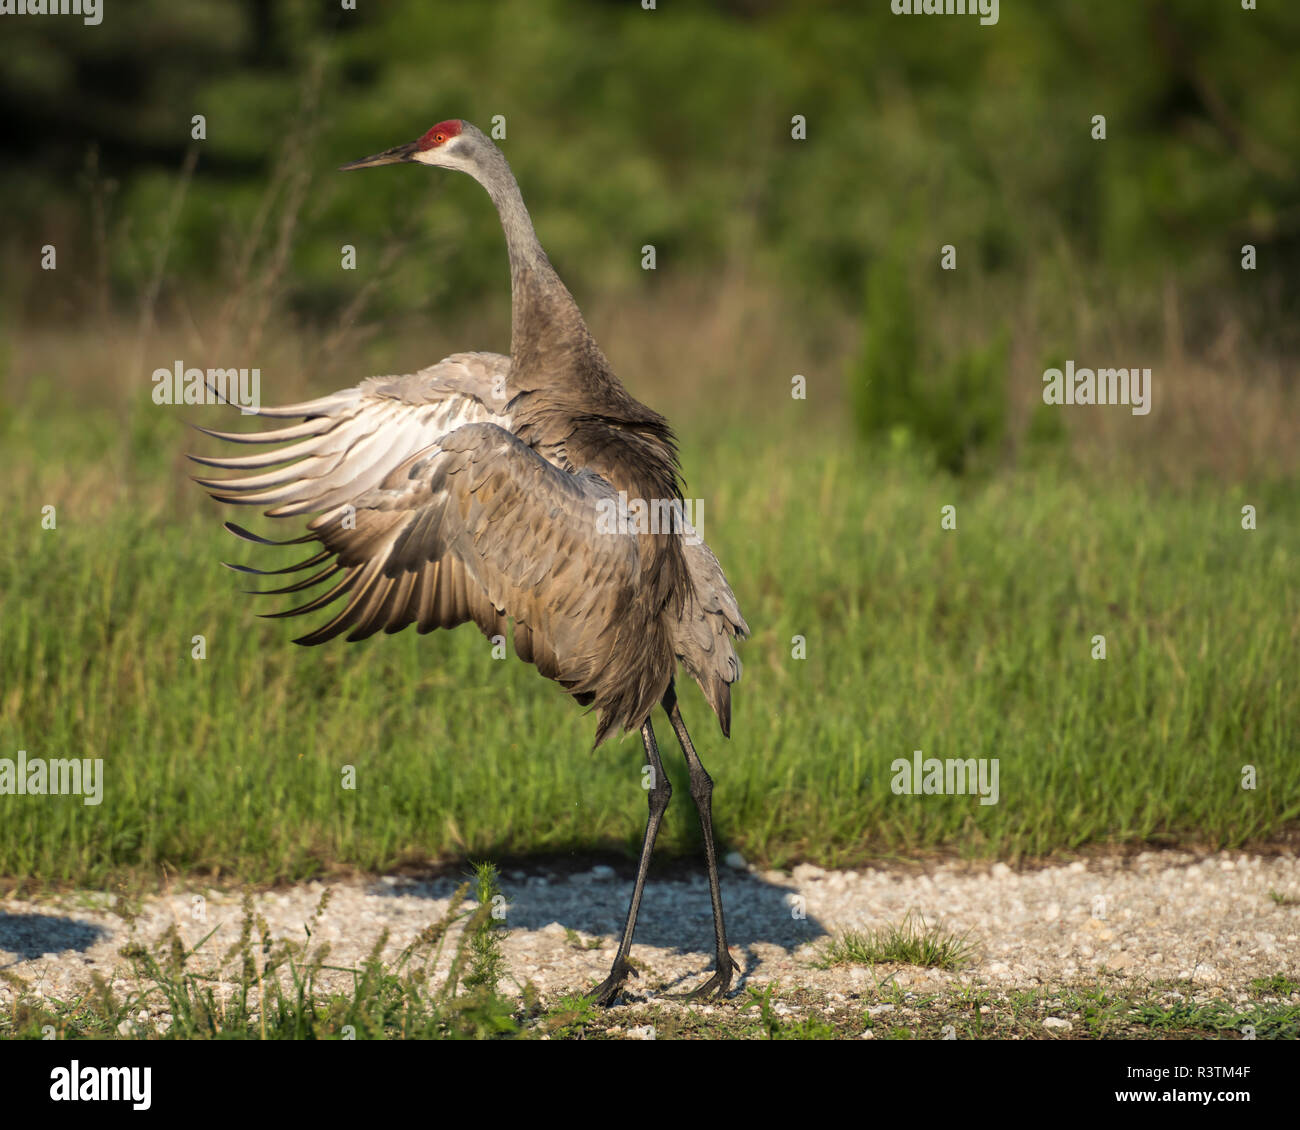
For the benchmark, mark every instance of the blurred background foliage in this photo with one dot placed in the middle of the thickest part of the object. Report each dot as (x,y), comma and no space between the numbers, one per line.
(672,127)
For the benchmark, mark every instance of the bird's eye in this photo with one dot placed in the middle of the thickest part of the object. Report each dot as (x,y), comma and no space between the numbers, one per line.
(439,138)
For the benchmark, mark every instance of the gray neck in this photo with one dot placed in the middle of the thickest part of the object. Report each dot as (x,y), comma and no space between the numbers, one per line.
(545,325)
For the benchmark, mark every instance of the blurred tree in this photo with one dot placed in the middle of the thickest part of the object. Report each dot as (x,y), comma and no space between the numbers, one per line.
(672,126)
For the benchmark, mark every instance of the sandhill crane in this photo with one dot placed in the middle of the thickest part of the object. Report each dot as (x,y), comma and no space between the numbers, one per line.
(480,489)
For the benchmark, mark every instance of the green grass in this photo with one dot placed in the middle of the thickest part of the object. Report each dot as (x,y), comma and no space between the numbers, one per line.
(1277,985)
(972,643)
(1095,1012)
(910,942)
(276,992)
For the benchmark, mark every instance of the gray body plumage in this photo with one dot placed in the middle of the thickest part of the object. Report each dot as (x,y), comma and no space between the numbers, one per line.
(473,490)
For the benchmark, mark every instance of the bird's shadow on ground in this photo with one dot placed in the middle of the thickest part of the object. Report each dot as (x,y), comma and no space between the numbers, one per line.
(31,935)
(676,912)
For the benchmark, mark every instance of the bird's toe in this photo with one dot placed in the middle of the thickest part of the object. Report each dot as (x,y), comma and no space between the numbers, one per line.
(608,990)
(716,986)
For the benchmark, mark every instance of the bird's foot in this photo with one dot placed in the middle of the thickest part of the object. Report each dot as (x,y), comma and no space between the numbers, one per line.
(717,985)
(605,993)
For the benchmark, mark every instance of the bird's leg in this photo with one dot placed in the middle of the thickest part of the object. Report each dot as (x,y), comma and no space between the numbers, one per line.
(702,794)
(660,792)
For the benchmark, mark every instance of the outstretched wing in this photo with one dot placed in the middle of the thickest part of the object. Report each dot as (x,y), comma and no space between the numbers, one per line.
(431,512)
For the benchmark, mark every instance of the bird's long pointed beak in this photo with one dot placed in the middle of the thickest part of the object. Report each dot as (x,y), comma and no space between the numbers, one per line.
(394,156)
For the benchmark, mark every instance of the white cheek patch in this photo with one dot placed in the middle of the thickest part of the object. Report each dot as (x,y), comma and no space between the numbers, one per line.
(432,156)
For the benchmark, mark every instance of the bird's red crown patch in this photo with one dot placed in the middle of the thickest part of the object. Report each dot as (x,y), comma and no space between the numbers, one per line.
(440,134)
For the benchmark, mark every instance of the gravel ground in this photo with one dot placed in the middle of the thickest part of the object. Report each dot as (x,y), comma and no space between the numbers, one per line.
(1217,921)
